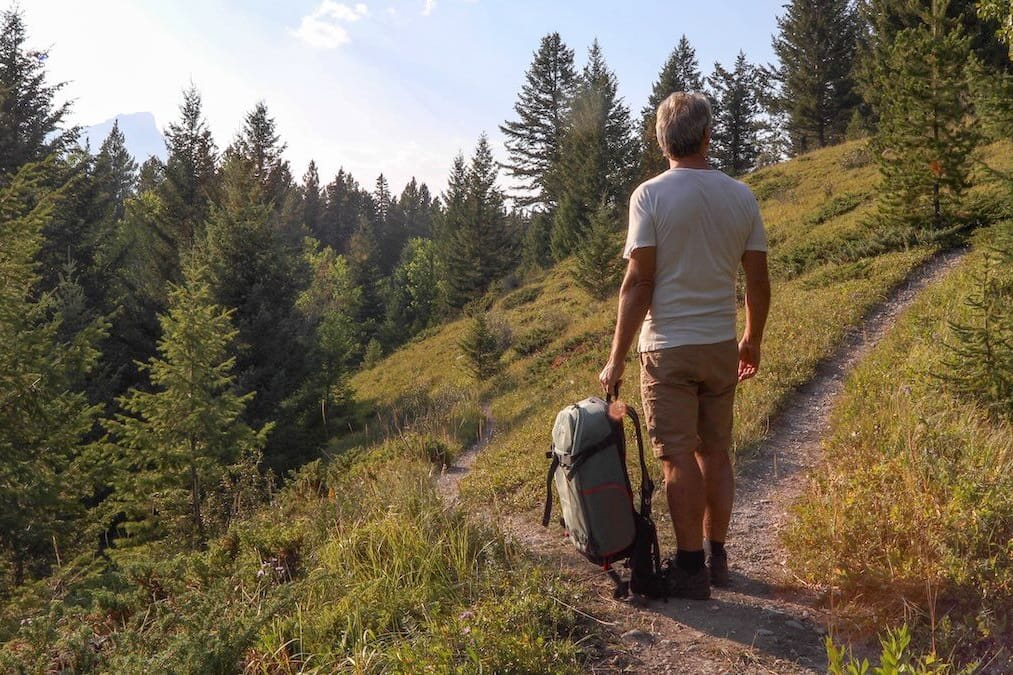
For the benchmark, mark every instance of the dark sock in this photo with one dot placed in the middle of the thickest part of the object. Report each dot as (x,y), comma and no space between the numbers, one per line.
(690,561)
(717,547)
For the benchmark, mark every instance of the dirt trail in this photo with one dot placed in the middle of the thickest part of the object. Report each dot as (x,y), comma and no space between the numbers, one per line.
(763,623)
(448,480)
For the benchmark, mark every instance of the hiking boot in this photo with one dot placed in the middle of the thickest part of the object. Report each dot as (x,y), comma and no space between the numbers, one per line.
(717,566)
(682,584)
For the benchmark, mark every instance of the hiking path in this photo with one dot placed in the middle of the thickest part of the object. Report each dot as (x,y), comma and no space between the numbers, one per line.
(766,621)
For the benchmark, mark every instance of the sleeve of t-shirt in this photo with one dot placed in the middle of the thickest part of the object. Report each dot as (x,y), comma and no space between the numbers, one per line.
(757,240)
(641,233)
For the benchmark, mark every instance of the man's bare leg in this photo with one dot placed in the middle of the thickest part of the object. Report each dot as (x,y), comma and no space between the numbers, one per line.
(719,482)
(687,499)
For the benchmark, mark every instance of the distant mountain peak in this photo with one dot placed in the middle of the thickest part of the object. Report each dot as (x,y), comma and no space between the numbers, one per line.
(143,138)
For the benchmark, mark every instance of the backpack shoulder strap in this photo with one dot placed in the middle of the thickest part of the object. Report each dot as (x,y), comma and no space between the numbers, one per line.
(547,514)
(646,494)
(646,484)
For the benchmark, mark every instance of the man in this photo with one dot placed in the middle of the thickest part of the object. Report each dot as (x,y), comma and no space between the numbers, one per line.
(690,228)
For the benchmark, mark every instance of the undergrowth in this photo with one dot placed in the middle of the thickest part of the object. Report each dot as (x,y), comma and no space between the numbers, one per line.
(896,658)
(357,569)
(912,511)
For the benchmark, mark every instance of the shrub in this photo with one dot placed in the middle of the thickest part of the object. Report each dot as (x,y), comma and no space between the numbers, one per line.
(896,658)
(980,362)
(534,340)
(520,297)
(774,185)
(597,266)
(483,345)
(837,206)
(857,158)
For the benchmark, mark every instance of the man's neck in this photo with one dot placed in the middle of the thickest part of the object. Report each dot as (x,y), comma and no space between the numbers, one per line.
(697,161)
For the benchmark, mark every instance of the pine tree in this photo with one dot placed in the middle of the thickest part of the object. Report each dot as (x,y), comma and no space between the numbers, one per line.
(116,172)
(190,182)
(417,209)
(680,73)
(364,260)
(261,146)
(734,143)
(30,120)
(113,179)
(43,419)
(252,269)
(980,355)
(142,256)
(536,242)
(598,157)
(312,205)
(416,294)
(926,128)
(151,175)
(534,140)
(816,52)
(484,343)
(389,225)
(993,91)
(598,265)
(475,243)
(882,20)
(174,443)
(346,203)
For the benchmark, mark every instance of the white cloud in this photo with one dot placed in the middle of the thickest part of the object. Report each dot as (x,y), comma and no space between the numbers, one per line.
(323,28)
(428,9)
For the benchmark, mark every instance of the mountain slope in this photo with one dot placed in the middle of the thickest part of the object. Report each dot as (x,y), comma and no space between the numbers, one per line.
(143,139)
(356,565)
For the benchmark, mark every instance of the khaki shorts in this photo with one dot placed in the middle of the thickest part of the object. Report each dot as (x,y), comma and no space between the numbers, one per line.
(688,394)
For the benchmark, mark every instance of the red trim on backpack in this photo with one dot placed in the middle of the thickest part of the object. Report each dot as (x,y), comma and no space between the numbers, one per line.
(607,486)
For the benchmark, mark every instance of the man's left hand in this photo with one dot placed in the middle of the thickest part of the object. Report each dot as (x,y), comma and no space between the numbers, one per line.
(611,376)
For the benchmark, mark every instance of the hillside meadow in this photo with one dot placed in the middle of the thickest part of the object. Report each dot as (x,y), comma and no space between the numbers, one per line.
(910,516)
(357,566)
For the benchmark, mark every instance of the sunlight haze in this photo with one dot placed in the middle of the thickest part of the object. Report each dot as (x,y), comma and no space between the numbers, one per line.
(393,87)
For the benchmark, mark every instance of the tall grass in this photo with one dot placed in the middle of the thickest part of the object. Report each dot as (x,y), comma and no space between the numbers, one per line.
(356,568)
(913,508)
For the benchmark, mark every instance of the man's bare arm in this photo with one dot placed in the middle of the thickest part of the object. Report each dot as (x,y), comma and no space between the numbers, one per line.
(757,306)
(635,298)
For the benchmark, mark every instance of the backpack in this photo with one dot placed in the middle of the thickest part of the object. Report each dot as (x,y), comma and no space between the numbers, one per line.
(588,467)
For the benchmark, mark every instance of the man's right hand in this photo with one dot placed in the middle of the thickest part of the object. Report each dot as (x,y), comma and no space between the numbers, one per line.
(749,359)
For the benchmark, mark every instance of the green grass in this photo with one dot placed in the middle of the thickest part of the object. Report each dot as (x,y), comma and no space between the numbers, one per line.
(357,567)
(812,209)
(912,510)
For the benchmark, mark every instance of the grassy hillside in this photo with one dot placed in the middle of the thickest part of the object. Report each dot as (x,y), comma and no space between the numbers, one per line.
(914,506)
(356,566)
(829,265)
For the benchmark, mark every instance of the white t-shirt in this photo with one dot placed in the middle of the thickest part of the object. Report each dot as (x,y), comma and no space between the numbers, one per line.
(701,222)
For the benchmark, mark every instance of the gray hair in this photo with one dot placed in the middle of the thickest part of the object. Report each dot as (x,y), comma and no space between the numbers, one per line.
(683,118)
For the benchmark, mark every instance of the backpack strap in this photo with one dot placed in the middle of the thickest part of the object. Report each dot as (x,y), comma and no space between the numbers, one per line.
(646,484)
(607,442)
(646,490)
(547,514)
(621,588)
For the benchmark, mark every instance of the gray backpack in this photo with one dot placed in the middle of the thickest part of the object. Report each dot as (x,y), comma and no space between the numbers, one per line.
(588,467)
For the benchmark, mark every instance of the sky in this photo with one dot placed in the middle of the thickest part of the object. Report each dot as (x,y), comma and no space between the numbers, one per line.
(397,87)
